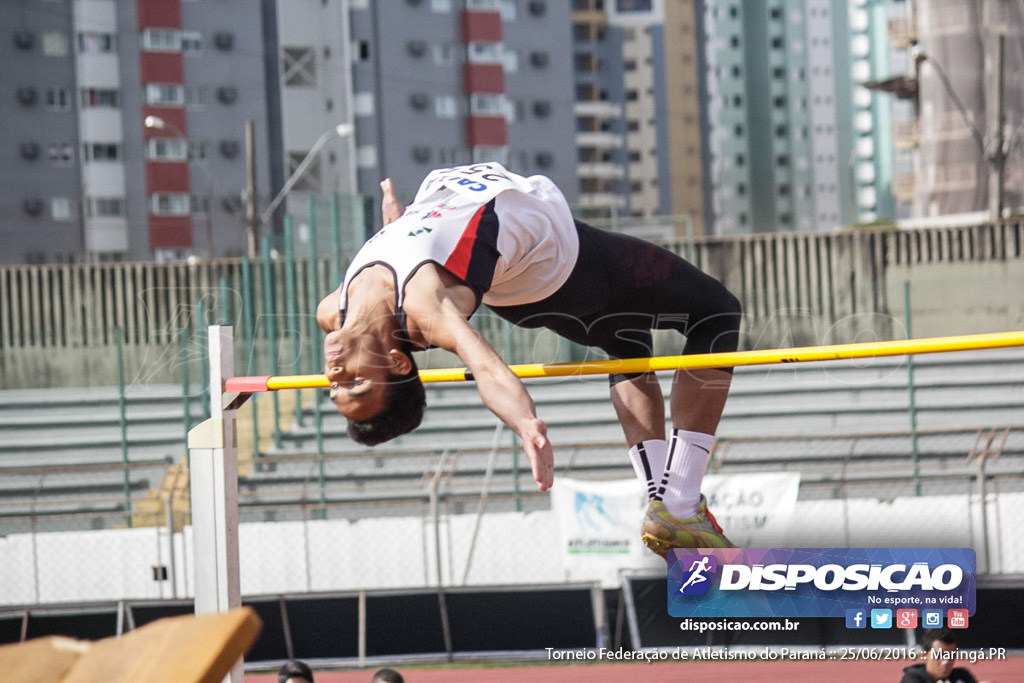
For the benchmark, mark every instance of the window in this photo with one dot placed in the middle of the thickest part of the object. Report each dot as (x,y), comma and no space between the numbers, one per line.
(448,156)
(483,5)
(299,66)
(508,10)
(634,155)
(440,6)
(61,153)
(199,204)
(486,154)
(101,151)
(94,42)
(55,44)
(99,97)
(632,95)
(57,99)
(444,54)
(62,208)
(166,149)
(483,52)
(169,204)
(198,150)
(445,107)
(192,42)
(740,160)
(157,93)
(777,42)
(487,105)
(161,39)
(104,207)
(196,96)
(510,60)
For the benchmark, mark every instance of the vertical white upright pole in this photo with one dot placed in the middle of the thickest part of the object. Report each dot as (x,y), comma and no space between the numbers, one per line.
(213,464)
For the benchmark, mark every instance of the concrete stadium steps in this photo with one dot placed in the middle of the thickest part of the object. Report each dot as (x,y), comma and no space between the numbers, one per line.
(966,390)
(83,426)
(61,451)
(951,390)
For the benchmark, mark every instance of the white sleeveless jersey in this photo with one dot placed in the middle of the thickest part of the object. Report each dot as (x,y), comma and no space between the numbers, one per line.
(511,239)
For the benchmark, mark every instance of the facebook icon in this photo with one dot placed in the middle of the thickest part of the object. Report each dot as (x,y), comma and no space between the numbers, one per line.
(856,618)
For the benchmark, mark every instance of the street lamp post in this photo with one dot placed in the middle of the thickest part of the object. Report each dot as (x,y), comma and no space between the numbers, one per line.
(157,123)
(258,219)
(993,151)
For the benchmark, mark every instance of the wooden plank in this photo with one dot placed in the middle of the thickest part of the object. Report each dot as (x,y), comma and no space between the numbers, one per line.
(22,329)
(792,275)
(64,314)
(5,309)
(42,660)
(47,331)
(185,649)
(118,274)
(109,310)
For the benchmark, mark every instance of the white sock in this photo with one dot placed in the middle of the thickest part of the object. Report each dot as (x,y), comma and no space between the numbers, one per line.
(648,458)
(684,471)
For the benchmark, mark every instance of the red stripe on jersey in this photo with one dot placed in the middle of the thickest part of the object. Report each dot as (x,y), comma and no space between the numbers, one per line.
(458,260)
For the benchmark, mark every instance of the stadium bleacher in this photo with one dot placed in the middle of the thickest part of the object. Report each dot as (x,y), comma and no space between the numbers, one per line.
(844,425)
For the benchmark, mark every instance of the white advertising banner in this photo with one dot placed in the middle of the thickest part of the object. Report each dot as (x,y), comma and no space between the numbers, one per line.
(599,521)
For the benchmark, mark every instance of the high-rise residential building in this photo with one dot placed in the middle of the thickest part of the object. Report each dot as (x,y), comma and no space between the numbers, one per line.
(125,123)
(443,82)
(126,119)
(598,109)
(779,115)
(639,94)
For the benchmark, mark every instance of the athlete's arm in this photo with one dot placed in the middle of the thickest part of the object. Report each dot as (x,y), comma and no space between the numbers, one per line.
(443,324)
(390,207)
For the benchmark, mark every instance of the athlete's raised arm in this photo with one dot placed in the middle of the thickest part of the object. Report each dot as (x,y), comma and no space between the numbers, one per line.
(442,323)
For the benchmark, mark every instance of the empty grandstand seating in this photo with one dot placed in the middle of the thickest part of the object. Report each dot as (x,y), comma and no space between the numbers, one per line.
(843,425)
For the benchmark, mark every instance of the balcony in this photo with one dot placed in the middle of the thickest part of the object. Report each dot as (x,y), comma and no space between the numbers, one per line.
(906,134)
(902,32)
(603,170)
(903,186)
(598,109)
(599,139)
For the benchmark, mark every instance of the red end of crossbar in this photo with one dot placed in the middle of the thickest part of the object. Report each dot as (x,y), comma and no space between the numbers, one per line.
(246,385)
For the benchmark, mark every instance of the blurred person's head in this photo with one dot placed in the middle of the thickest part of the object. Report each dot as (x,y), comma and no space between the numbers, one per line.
(387,676)
(938,646)
(294,671)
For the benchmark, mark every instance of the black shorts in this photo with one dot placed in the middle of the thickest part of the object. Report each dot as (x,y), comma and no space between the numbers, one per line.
(621,288)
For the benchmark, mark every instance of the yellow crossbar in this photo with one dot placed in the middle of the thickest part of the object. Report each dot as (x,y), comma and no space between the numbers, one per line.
(803,354)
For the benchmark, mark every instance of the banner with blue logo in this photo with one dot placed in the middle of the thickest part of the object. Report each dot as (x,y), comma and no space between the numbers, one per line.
(819,582)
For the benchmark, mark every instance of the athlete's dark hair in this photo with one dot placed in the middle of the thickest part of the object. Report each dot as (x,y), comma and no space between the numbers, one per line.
(404,403)
(943,635)
(293,668)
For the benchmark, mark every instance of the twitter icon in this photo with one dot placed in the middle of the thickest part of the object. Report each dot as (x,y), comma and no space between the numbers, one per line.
(881,618)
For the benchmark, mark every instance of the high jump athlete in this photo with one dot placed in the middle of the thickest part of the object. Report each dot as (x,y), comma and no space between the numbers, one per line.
(480,234)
